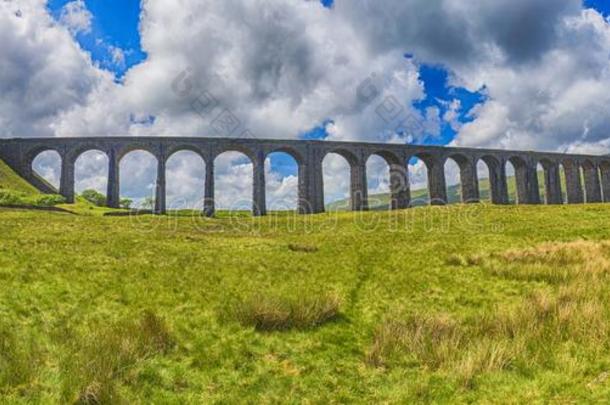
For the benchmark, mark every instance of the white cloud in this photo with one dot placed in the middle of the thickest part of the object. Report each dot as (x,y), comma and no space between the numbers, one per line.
(43,72)
(91,172)
(76,17)
(283,67)
(117,56)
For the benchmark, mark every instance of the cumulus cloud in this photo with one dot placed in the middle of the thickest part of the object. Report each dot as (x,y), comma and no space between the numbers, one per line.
(557,102)
(43,72)
(283,67)
(76,17)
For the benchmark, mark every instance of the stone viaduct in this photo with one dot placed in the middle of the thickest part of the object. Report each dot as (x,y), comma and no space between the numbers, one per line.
(593,171)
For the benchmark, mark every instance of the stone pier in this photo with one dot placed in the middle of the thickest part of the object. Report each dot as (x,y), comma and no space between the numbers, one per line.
(587,177)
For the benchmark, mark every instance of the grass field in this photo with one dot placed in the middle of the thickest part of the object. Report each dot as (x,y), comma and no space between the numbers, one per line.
(458,303)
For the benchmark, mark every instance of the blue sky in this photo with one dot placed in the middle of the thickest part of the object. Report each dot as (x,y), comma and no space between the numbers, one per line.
(115,25)
(603,6)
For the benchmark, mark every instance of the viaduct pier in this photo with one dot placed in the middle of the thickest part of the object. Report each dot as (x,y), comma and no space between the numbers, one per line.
(587,177)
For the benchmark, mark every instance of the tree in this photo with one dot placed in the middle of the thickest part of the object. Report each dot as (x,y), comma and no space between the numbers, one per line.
(94,197)
(148,203)
(125,203)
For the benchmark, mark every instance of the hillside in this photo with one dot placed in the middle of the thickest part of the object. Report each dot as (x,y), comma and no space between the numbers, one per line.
(419,196)
(16,191)
(426,305)
(9,180)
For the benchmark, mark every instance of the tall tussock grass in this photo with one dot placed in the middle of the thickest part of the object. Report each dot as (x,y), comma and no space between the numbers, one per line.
(570,306)
(428,339)
(97,361)
(554,263)
(274,313)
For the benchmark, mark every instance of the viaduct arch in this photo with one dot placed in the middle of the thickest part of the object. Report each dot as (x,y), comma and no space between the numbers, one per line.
(587,177)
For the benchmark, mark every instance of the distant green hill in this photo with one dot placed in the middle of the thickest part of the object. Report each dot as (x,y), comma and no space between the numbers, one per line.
(419,197)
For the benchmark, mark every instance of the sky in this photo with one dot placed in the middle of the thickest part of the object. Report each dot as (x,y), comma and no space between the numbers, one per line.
(522,74)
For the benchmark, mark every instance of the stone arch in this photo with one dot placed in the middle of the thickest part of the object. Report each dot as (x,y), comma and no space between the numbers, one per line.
(489,167)
(593,193)
(604,168)
(346,154)
(126,149)
(573,180)
(390,158)
(453,181)
(418,172)
(141,181)
(173,150)
(284,175)
(188,192)
(74,153)
(238,148)
(292,152)
(435,173)
(45,168)
(520,179)
(465,176)
(398,188)
(234,178)
(551,183)
(543,189)
(358,178)
(94,162)
(378,185)
(33,152)
(336,169)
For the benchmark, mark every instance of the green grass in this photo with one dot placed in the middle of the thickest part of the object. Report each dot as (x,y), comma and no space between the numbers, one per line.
(439,304)
(9,180)
(15,191)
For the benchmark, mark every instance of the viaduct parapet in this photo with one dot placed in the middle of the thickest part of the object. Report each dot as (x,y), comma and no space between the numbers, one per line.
(587,178)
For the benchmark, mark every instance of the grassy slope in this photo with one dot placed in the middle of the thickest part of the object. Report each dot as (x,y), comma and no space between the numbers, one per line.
(27,194)
(9,180)
(419,197)
(65,277)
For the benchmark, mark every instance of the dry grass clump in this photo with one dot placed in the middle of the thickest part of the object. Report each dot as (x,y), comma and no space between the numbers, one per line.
(570,308)
(271,313)
(99,360)
(560,253)
(456,260)
(555,263)
(429,339)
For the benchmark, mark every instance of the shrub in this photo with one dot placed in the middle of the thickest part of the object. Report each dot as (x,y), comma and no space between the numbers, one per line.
(8,197)
(271,313)
(148,203)
(15,198)
(101,358)
(94,197)
(125,203)
(49,200)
